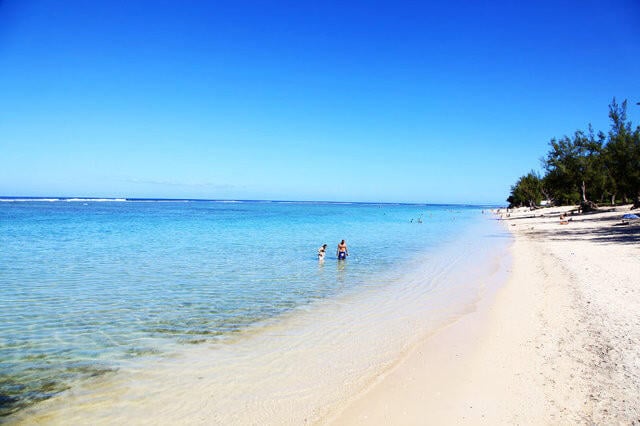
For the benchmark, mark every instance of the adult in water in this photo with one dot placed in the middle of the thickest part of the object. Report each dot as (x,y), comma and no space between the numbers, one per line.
(342,252)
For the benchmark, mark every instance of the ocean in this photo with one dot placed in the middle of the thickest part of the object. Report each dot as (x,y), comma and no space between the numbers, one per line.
(92,290)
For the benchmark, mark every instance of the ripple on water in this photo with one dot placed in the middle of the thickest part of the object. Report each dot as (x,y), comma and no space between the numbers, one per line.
(86,287)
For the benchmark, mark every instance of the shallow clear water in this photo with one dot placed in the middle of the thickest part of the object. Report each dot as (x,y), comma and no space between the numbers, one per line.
(85,286)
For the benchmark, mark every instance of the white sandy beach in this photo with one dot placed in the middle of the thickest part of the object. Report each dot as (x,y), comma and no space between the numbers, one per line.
(558,344)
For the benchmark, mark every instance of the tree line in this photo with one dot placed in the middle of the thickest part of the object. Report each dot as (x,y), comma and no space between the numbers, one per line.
(587,168)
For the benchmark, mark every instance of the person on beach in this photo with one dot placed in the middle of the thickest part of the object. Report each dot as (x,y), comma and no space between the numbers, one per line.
(342,251)
(321,252)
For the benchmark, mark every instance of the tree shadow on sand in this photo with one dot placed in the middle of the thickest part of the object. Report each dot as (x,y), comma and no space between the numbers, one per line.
(617,233)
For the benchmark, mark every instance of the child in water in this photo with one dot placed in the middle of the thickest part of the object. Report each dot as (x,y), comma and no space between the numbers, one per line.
(321,252)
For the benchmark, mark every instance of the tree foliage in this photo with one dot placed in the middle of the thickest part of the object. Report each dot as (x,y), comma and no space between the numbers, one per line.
(527,192)
(622,154)
(587,168)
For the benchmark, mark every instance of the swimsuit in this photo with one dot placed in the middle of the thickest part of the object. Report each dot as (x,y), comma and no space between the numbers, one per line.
(342,255)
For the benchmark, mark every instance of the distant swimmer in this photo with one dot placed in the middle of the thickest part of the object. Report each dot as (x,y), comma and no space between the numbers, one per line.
(342,252)
(321,252)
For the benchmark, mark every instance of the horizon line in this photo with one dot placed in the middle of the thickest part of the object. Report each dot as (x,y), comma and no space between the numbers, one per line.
(228,200)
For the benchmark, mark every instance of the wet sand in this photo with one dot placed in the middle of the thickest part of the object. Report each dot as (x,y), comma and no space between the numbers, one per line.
(303,367)
(558,344)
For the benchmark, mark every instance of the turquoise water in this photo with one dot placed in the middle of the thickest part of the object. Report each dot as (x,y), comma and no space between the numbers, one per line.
(87,285)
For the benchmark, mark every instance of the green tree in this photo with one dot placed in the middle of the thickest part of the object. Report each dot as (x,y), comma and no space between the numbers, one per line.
(587,167)
(560,164)
(622,154)
(527,191)
(600,183)
(574,169)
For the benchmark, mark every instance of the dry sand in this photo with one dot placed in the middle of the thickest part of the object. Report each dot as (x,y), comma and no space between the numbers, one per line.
(558,344)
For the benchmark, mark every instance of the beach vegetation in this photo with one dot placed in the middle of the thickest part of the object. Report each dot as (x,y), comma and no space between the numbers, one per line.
(622,154)
(587,168)
(574,168)
(527,192)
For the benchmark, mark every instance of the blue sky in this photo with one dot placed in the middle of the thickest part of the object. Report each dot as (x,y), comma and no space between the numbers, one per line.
(348,101)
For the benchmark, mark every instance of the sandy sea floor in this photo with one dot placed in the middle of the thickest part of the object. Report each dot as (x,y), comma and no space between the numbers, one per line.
(306,366)
(558,344)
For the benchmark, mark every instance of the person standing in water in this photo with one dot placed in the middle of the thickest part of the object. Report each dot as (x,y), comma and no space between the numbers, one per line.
(321,252)
(342,251)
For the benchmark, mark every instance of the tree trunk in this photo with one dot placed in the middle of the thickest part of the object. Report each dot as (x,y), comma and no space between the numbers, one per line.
(613,199)
(546,196)
(587,206)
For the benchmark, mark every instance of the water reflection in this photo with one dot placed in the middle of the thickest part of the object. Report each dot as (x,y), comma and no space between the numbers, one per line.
(341,268)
